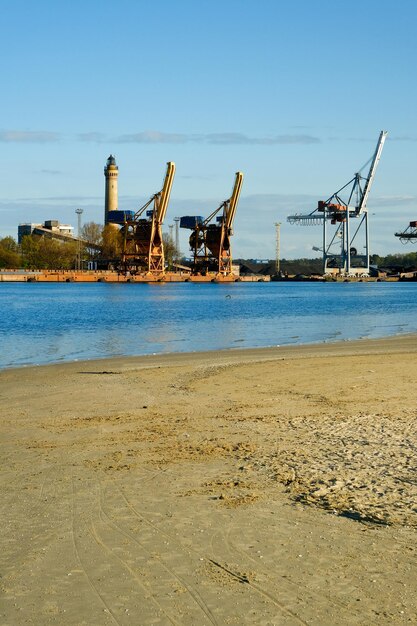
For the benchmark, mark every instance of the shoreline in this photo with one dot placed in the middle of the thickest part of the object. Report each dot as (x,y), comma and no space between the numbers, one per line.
(272,485)
(406,342)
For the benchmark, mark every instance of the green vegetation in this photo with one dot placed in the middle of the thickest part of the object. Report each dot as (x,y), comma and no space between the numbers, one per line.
(9,253)
(111,242)
(37,252)
(45,253)
(394,263)
(399,262)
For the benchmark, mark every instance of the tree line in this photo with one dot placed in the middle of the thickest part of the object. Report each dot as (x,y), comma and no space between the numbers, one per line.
(104,243)
(101,244)
(42,252)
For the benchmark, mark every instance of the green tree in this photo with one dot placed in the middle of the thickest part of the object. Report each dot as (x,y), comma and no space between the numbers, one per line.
(9,253)
(112,242)
(397,261)
(10,244)
(45,253)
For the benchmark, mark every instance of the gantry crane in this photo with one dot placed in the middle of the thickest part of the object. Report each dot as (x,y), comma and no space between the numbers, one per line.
(340,239)
(143,247)
(210,242)
(409,234)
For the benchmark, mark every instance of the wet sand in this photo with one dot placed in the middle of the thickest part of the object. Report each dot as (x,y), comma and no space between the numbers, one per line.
(274,486)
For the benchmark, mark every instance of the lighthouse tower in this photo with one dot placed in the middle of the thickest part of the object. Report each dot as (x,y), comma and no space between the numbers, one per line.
(111,172)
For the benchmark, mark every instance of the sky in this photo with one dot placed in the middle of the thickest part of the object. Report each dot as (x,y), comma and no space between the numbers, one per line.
(292,93)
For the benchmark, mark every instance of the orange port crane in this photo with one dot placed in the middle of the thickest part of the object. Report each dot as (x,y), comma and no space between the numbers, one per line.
(210,242)
(143,246)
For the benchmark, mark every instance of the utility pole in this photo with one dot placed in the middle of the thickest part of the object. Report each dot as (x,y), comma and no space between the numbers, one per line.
(79,212)
(177,237)
(277,253)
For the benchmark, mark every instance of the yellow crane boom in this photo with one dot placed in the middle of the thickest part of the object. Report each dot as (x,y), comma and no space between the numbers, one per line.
(165,193)
(234,199)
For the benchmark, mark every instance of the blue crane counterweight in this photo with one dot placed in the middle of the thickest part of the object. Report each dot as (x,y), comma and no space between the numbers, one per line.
(119,217)
(191,221)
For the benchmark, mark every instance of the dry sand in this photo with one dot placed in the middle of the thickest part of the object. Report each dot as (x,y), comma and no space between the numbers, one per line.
(249,487)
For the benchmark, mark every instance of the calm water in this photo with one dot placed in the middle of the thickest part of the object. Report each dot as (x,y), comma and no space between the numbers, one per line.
(47,323)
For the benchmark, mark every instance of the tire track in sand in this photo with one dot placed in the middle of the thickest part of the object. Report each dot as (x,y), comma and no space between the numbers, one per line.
(196,597)
(77,551)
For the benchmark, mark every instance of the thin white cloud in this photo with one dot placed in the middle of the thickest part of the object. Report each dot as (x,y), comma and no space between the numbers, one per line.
(403,138)
(27,136)
(394,201)
(411,138)
(156,137)
(238,138)
(92,137)
(152,136)
(159,137)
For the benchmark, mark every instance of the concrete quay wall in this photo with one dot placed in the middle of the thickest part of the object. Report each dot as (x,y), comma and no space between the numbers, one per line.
(70,276)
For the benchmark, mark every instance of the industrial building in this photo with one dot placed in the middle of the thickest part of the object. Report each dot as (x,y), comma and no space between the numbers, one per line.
(50,228)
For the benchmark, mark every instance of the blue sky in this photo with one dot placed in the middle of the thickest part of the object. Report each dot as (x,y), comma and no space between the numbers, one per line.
(294,94)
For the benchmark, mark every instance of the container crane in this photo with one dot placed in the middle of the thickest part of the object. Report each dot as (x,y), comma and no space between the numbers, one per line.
(409,234)
(340,254)
(210,242)
(143,247)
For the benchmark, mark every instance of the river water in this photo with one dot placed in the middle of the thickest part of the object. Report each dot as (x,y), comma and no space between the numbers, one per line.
(50,323)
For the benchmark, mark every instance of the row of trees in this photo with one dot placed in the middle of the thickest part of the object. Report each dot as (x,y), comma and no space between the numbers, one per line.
(394,262)
(99,243)
(39,252)
(400,262)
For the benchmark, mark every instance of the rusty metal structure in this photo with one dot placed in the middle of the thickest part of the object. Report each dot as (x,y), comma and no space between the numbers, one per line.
(143,246)
(409,234)
(341,235)
(210,242)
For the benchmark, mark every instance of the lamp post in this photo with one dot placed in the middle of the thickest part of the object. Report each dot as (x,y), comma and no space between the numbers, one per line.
(177,238)
(278,251)
(79,212)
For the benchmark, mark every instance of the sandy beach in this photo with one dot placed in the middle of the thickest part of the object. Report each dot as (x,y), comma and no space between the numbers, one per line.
(268,486)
